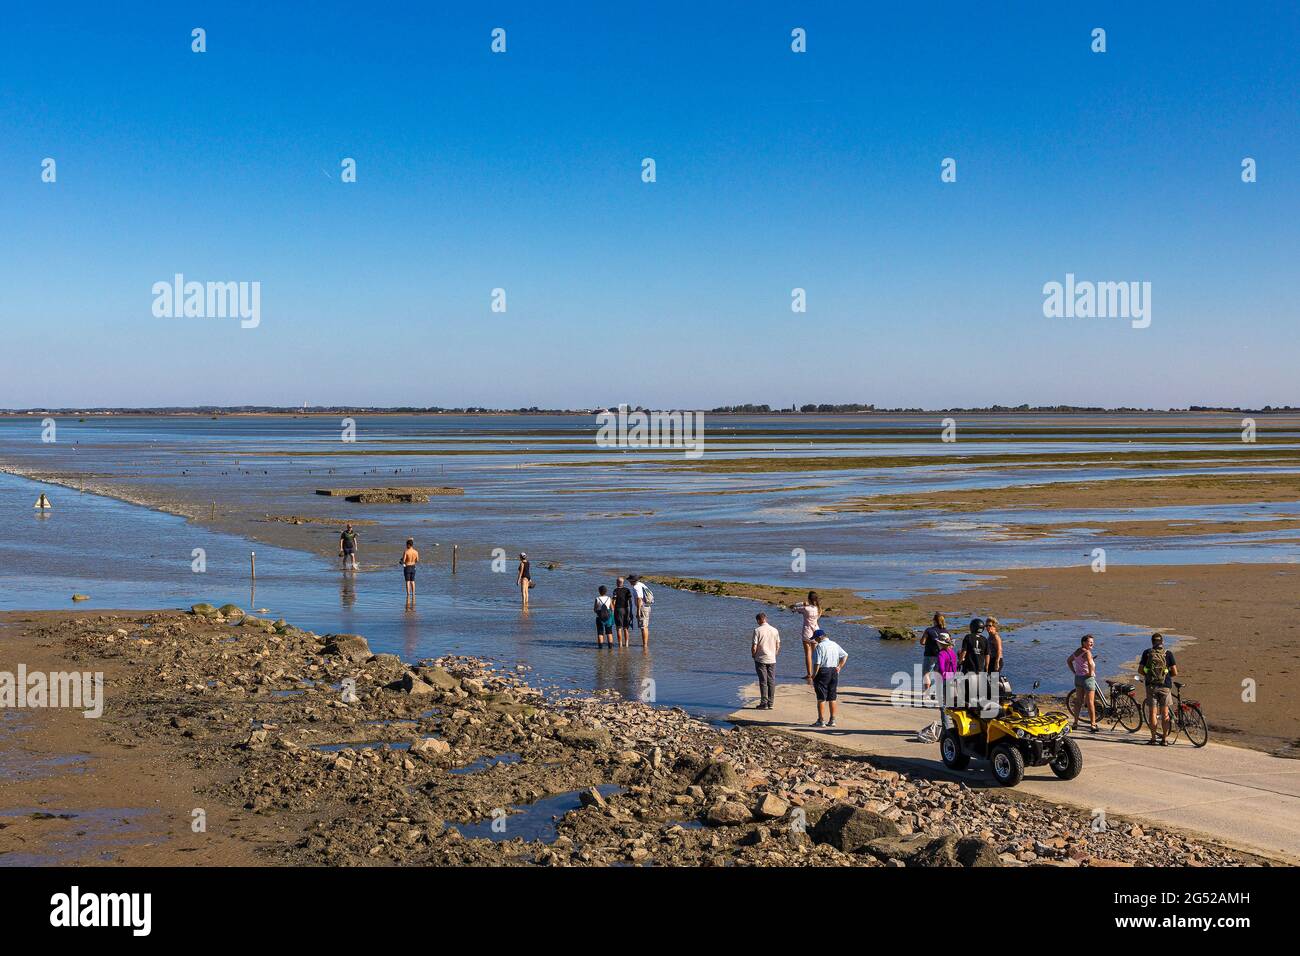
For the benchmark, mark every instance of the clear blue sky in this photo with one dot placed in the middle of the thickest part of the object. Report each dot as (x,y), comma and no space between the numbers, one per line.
(775,170)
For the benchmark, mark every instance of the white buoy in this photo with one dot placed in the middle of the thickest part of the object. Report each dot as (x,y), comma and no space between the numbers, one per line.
(42,503)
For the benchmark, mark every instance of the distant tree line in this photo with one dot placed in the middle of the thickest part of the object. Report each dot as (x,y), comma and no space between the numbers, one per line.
(850,408)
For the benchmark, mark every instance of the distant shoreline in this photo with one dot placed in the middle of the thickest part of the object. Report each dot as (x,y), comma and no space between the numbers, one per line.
(726,412)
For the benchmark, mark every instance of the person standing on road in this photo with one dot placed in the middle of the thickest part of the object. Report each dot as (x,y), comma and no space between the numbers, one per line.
(931,642)
(1084,668)
(974,661)
(995,645)
(828,661)
(764,648)
(1158,670)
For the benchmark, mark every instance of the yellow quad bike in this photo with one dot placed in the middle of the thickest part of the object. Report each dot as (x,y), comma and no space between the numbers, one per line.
(1017,737)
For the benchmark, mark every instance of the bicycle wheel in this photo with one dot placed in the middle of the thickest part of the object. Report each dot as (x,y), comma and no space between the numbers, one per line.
(1192,723)
(1070,700)
(1127,713)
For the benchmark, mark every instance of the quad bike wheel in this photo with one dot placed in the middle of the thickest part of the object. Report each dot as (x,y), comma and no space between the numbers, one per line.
(950,751)
(1008,765)
(1069,762)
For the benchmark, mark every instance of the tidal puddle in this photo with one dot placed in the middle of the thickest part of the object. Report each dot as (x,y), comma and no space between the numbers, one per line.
(487,763)
(530,822)
(73,836)
(366,745)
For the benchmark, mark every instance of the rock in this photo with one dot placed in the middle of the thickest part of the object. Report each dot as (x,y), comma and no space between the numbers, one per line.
(591,798)
(948,850)
(411,684)
(231,611)
(898,848)
(772,807)
(429,747)
(584,738)
(896,634)
(206,610)
(438,677)
(506,704)
(851,828)
(727,813)
(717,773)
(350,647)
(256,740)
(81,597)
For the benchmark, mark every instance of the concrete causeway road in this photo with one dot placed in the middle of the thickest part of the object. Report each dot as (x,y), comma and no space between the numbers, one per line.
(1244,798)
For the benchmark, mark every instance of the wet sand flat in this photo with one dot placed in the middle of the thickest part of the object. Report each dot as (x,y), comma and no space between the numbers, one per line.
(1179,490)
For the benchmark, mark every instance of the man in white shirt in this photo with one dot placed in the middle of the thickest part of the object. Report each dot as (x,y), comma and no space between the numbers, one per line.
(828,661)
(642,608)
(765,647)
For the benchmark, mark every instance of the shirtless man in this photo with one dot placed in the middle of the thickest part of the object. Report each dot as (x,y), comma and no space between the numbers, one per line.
(410,558)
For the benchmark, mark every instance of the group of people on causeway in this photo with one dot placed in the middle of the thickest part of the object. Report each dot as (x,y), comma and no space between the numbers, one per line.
(980,651)
(942,660)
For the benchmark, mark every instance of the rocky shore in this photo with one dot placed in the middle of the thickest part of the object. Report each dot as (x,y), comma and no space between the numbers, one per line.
(358,758)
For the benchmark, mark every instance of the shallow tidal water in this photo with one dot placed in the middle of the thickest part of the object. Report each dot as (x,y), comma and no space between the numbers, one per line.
(590,520)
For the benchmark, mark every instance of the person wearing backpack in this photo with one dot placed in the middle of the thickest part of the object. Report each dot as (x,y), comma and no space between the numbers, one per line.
(604,608)
(1158,669)
(644,600)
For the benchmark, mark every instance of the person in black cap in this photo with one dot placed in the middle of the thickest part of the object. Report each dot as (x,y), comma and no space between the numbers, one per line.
(974,657)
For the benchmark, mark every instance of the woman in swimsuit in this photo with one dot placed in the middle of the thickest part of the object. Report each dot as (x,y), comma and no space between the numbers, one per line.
(524,578)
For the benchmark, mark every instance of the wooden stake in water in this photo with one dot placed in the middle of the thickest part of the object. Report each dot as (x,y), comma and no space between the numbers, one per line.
(454,549)
(214,511)
(252,565)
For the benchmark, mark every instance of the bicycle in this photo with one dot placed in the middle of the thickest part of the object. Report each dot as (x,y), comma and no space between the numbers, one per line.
(1120,707)
(1185,717)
